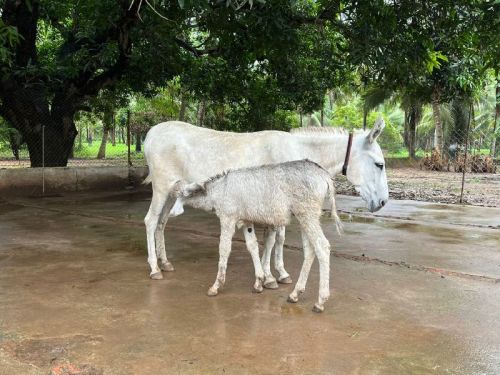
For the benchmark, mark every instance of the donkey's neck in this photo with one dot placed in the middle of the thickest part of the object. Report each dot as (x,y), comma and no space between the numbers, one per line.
(328,150)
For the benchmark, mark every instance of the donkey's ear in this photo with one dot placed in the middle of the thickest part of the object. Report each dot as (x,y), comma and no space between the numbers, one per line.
(376,130)
(192,189)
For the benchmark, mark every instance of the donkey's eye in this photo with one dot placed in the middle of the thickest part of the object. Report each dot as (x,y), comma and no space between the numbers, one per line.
(380,166)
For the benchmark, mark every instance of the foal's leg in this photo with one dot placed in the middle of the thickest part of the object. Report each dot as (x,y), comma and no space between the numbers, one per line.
(304,272)
(165,265)
(269,240)
(253,249)
(151,220)
(322,250)
(226,236)
(284,277)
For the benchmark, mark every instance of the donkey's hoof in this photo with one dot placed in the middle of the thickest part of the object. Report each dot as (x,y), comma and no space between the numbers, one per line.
(318,309)
(285,280)
(271,285)
(212,292)
(168,267)
(257,289)
(156,276)
(292,299)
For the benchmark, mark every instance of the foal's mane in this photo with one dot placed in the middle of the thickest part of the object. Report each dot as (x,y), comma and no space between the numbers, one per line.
(226,172)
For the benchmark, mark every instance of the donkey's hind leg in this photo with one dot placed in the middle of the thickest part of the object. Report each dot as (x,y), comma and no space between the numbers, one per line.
(269,240)
(279,265)
(151,221)
(161,254)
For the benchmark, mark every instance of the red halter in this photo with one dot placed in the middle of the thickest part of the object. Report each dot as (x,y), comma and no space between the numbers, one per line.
(348,152)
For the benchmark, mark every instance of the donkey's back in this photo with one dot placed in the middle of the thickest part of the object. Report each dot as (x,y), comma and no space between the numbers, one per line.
(189,152)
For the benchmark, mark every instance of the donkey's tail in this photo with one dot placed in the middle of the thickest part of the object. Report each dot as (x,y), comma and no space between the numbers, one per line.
(148,179)
(331,194)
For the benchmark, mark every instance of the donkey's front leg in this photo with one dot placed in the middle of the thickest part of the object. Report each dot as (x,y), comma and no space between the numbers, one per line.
(269,240)
(226,235)
(279,265)
(253,249)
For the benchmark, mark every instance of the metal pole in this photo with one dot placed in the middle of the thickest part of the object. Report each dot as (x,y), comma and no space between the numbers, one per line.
(43,160)
(465,156)
(128,139)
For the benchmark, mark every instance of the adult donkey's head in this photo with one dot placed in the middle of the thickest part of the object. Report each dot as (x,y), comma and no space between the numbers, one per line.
(366,167)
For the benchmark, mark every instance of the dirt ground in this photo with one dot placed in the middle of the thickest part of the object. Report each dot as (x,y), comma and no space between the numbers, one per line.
(480,189)
(415,290)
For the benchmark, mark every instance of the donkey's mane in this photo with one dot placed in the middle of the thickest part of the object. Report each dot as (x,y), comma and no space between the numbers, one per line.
(324,130)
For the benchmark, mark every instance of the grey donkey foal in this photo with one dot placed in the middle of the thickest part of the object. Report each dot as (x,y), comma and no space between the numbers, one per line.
(269,195)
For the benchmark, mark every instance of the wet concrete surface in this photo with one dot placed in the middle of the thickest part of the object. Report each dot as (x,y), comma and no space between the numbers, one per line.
(74,294)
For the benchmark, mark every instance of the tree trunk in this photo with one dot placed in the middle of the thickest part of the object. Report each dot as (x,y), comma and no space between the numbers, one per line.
(49,147)
(300,118)
(15,143)
(113,132)
(138,142)
(182,110)
(79,137)
(438,145)
(200,116)
(322,117)
(413,115)
(365,115)
(497,114)
(331,99)
(106,127)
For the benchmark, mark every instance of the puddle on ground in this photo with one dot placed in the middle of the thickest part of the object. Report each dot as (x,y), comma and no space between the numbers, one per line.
(291,309)
(6,208)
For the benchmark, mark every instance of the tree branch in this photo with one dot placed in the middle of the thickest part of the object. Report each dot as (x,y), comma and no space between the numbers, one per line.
(198,52)
(86,84)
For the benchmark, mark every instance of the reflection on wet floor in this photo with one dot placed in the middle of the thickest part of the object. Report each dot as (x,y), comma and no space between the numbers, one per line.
(74,291)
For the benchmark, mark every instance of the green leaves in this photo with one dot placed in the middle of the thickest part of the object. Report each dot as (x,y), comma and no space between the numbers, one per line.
(9,37)
(434,59)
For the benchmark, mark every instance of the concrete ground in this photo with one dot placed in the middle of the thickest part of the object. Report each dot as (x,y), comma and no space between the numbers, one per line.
(415,290)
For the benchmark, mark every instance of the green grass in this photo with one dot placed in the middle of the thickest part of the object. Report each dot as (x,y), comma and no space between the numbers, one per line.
(119,151)
(403,154)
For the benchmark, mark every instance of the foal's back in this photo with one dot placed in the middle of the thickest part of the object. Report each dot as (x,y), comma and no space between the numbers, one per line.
(270,194)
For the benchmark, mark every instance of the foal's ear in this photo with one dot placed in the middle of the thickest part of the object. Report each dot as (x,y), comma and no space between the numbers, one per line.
(192,189)
(376,130)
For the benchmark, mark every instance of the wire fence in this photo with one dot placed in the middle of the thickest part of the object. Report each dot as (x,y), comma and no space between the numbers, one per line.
(453,168)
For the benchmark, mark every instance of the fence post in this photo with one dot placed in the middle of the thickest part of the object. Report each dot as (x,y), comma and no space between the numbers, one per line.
(128,139)
(465,156)
(43,160)
(129,161)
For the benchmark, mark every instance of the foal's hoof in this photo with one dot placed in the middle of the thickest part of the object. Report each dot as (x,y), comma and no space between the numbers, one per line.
(167,267)
(156,276)
(318,309)
(212,292)
(285,280)
(291,299)
(271,285)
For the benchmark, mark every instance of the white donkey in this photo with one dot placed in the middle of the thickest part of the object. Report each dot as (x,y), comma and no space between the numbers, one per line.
(179,151)
(269,195)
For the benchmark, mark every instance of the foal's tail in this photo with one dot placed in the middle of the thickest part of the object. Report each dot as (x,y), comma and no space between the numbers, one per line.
(335,216)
